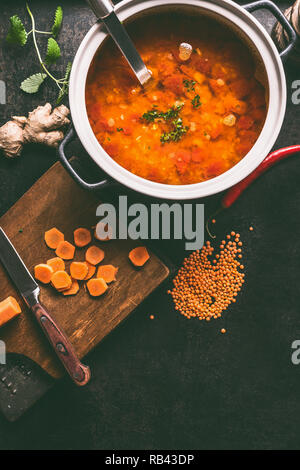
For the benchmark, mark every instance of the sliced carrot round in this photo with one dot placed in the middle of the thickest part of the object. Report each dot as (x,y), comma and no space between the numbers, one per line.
(65,250)
(107,272)
(53,237)
(91,271)
(73,289)
(78,270)
(94,255)
(57,264)
(61,280)
(82,237)
(96,287)
(139,256)
(43,273)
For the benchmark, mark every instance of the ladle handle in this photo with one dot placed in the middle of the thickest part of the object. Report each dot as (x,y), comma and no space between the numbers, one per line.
(101,8)
(104,10)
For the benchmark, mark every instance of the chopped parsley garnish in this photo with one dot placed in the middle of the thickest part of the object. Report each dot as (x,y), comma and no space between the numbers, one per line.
(120,129)
(150,116)
(189,84)
(175,135)
(196,102)
(171,113)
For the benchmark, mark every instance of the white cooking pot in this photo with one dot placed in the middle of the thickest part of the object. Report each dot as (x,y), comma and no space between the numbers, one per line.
(249,29)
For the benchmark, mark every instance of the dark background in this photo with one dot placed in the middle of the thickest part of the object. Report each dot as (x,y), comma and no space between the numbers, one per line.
(171,383)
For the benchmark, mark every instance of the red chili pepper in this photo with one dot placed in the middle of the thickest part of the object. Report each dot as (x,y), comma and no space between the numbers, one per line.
(233,193)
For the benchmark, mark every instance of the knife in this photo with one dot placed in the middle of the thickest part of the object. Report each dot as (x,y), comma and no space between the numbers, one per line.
(104,10)
(29,290)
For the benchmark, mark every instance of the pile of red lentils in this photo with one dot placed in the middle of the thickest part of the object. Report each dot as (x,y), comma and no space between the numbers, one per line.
(206,285)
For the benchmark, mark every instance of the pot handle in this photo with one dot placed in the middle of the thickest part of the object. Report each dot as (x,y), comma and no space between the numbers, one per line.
(268,5)
(71,135)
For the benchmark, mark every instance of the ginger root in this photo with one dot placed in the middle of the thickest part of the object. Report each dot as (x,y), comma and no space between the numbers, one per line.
(42,126)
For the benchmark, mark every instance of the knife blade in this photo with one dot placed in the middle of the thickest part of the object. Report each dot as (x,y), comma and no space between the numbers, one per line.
(29,290)
(17,270)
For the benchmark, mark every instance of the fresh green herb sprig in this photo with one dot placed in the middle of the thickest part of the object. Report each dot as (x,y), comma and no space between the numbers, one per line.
(189,84)
(151,115)
(176,134)
(196,102)
(178,129)
(17,35)
(154,114)
(173,112)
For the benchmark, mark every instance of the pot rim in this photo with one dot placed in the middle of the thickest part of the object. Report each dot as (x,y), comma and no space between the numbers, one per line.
(275,115)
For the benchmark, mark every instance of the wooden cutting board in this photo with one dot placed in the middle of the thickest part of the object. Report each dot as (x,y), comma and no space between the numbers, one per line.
(57,201)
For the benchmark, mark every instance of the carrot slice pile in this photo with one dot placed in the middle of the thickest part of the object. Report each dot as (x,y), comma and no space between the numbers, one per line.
(57,264)
(91,271)
(9,309)
(61,281)
(73,289)
(101,227)
(43,273)
(65,250)
(53,237)
(107,272)
(78,270)
(94,255)
(139,256)
(96,287)
(54,271)
(82,237)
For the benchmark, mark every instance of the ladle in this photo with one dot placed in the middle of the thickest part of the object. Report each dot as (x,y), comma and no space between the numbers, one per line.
(104,10)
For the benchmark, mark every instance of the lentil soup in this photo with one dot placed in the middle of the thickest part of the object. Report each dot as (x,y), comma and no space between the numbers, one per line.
(197,117)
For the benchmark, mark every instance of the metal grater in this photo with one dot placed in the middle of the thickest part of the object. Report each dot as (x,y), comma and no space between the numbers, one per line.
(22,383)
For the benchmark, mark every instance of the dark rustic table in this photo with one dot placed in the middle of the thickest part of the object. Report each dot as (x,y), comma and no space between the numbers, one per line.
(171,383)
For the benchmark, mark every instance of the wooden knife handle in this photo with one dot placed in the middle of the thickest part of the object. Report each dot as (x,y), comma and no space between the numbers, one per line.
(79,373)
